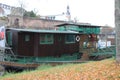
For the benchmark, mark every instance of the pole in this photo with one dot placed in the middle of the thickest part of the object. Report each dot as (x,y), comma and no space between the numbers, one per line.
(117,28)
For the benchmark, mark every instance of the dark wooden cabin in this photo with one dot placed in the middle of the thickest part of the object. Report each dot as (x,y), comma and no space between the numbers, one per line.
(42,43)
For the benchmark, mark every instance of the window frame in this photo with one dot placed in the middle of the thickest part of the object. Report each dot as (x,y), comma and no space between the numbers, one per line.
(46,38)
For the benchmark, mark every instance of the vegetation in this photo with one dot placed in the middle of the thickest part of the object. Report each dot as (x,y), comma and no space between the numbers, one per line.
(3,18)
(29,14)
(96,70)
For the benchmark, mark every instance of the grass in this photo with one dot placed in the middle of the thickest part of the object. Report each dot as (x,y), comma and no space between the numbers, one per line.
(44,67)
(94,70)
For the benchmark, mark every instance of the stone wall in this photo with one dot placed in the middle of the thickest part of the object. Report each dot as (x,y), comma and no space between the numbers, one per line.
(40,23)
(36,23)
(12,19)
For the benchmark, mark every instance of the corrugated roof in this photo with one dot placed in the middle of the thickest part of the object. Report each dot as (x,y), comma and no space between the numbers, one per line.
(44,31)
(77,24)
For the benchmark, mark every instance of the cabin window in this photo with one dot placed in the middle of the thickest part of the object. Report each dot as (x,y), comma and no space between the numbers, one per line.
(59,38)
(70,38)
(42,38)
(9,39)
(27,38)
(46,39)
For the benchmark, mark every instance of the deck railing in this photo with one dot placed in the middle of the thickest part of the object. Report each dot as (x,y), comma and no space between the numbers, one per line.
(29,59)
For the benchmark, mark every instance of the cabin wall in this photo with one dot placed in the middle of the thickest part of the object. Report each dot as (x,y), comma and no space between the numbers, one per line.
(26,48)
(44,49)
(34,48)
(36,44)
(58,48)
(59,44)
(15,42)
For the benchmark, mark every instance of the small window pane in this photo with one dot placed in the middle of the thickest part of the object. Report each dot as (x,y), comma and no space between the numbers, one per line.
(70,38)
(27,37)
(42,38)
(49,38)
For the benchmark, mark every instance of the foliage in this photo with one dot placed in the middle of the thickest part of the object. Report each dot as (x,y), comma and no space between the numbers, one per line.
(30,14)
(95,70)
(3,18)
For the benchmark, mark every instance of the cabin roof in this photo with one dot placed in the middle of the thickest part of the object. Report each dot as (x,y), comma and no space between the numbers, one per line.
(77,24)
(44,31)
